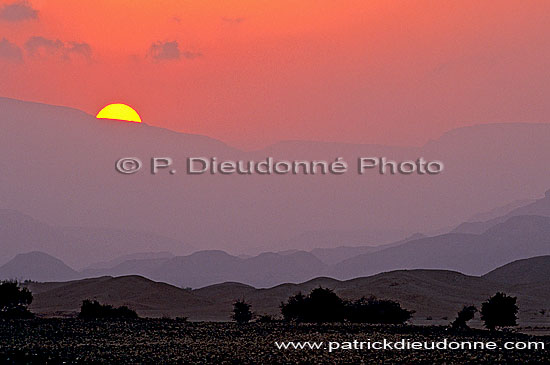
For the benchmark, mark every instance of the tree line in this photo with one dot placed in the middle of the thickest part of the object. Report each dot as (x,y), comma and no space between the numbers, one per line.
(15,301)
(321,305)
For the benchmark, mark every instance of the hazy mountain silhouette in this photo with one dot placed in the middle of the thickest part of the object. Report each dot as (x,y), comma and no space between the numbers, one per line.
(518,237)
(500,211)
(77,246)
(67,179)
(536,207)
(37,266)
(211,267)
(335,255)
(332,246)
(129,257)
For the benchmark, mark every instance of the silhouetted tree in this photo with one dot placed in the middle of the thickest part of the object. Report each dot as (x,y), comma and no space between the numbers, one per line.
(294,308)
(372,310)
(14,300)
(499,311)
(464,315)
(241,312)
(321,305)
(95,310)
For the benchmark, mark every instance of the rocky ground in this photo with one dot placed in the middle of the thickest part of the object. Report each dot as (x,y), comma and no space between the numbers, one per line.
(171,341)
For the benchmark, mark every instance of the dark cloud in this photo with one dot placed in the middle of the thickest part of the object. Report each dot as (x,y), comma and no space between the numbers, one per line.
(233,20)
(82,49)
(10,51)
(190,55)
(165,51)
(40,46)
(36,45)
(169,51)
(18,11)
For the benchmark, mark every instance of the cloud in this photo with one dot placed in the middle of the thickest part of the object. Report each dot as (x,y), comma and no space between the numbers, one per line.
(169,51)
(35,45)
(165,51)
(18,11)
(237,20)
(40,46)
(82,49)
(10,51)
(190,55)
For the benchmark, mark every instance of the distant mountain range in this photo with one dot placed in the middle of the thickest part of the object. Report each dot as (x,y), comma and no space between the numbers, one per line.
(434,295)
(517,237)
(64,199)
(211,267)
(75,245)
(536,207)
(130,257)
(37,265)
(58,167)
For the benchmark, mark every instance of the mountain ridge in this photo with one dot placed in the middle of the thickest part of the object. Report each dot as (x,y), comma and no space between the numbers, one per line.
(435,295)
(79,173)
(473,254)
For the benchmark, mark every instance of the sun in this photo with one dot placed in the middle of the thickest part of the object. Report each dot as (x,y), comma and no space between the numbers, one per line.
(119,112)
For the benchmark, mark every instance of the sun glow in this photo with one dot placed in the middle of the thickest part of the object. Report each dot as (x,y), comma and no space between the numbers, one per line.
(119,112)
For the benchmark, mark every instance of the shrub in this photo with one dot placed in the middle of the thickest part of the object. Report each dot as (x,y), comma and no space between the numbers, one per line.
(379,311)
(499,311)
(14,300)
(241,312)
(323,305)
(94,310)
(464,315)
(294,308)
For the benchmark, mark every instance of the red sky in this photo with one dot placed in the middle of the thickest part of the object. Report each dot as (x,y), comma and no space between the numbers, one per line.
(253,72)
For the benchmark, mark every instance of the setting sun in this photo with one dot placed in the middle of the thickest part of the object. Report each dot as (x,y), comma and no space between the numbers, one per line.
(119,112)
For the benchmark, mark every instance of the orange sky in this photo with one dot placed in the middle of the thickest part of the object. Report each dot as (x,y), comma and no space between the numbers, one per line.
(253,72)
